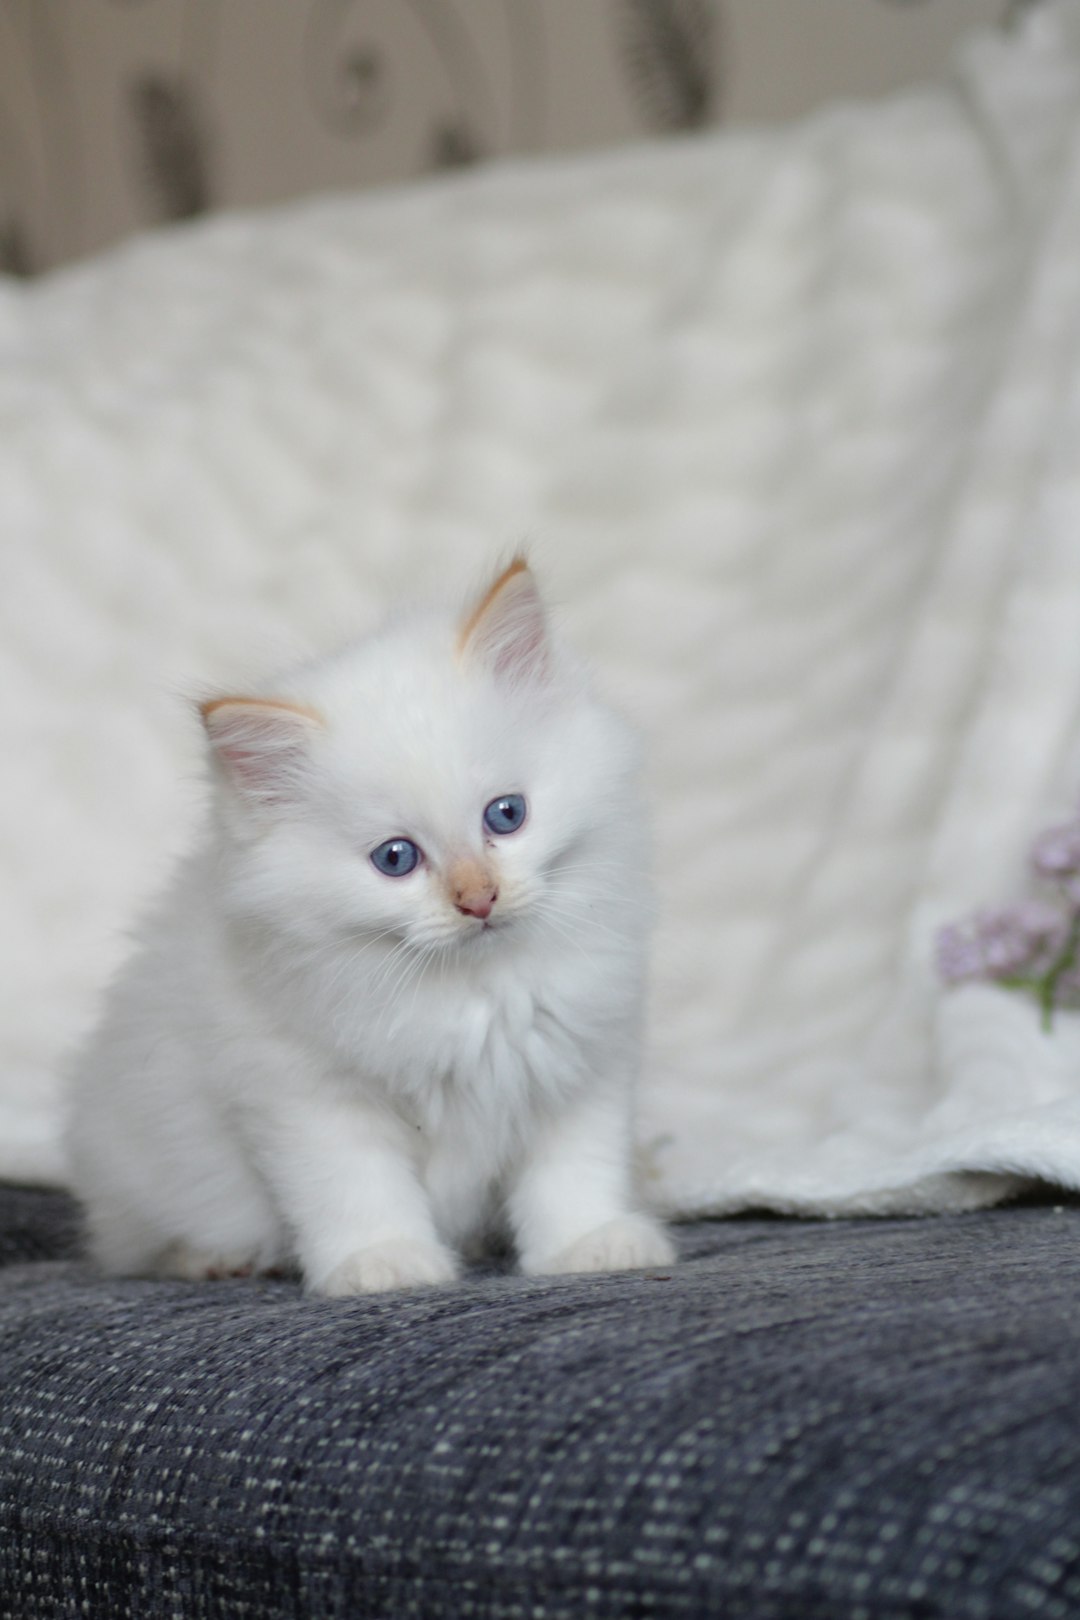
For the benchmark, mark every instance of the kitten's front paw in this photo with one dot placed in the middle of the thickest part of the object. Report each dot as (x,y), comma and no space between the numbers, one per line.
(393,1263)
(627,1243)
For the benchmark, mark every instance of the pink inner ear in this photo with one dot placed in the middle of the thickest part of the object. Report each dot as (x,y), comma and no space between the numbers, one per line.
(508,631)
(524,651)
(262,745)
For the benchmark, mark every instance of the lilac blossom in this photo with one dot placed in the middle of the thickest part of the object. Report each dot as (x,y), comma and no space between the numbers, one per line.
(959,953)
(1056,853)
(1014,941)
(1033,945)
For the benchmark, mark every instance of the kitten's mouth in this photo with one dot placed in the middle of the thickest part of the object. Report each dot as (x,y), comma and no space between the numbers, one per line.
(487,925)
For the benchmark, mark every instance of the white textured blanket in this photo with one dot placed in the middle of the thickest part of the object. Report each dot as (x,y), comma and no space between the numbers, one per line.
(795,421)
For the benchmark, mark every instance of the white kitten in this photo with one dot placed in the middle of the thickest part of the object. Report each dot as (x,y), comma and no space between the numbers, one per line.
(396,999)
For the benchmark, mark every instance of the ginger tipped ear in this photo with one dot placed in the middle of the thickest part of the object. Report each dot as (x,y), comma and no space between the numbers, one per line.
(262,745)
(507,629)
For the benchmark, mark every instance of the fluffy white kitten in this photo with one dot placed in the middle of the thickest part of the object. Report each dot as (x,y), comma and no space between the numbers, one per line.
(395,1001)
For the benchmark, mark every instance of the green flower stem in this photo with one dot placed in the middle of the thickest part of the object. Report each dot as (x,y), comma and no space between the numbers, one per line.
(1047,985)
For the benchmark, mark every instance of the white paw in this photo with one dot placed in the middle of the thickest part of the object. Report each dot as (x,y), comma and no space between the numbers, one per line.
(627,1243)
(393,1263)
(188,1263)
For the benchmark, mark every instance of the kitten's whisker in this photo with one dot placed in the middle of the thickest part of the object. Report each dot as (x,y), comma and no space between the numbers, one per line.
(576,943)
(385,972)
(554,917)
(583,866)
(547,909)
(353,957)
(554,921)
(427,959)
(319,951)
(413,976)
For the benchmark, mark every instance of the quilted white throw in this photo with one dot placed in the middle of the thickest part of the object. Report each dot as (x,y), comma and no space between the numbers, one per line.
(794,420)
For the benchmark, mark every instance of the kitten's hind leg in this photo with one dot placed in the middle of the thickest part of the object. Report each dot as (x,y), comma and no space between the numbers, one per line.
(187,1263)
(123,1246)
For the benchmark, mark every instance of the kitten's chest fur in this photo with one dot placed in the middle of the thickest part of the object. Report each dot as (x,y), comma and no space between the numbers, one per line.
(491,1045)
(470,1066)
(469,1054)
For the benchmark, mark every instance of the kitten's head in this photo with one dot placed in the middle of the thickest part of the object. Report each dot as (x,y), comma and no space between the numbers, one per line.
(450,782)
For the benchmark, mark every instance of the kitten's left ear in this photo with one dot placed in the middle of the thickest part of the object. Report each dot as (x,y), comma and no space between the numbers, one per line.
(507,629)
(262,745)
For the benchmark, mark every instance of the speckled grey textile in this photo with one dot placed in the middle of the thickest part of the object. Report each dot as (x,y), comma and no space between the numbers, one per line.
(814,1422)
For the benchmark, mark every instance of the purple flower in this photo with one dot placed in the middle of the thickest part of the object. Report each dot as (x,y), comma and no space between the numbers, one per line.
(1032,945)
(1043,924)
(1056,853)
(959,954)
(1021,939)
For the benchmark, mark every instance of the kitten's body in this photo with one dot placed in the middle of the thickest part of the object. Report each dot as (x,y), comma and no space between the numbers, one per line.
(367,1073)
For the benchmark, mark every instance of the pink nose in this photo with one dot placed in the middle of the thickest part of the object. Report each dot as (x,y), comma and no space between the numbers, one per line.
(477,904)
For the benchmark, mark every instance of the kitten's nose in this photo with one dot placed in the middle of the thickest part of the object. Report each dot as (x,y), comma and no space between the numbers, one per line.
(475,902)
(470,886)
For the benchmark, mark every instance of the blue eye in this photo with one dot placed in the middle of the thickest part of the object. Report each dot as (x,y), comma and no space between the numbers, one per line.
(396,857)
(505,815)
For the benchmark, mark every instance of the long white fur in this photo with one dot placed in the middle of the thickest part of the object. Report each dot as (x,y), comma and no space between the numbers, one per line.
(310,1061)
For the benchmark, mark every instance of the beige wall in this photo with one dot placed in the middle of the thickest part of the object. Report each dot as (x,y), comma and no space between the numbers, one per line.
(115,114)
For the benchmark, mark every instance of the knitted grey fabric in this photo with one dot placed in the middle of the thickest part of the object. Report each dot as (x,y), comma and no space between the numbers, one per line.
(806,1421)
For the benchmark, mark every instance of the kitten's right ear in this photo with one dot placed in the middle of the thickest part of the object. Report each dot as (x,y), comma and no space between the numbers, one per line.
(507,628)
(262,745)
